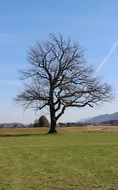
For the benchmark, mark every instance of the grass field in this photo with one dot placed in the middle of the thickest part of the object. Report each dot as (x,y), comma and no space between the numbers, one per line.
(75,159)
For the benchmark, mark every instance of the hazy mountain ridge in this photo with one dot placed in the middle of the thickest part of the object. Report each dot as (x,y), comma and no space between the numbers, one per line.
(101,118)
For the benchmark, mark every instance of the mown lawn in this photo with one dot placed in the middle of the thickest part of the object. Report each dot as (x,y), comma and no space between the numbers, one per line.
(72,160)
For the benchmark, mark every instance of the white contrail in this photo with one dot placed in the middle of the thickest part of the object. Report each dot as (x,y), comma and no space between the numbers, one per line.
(111,51)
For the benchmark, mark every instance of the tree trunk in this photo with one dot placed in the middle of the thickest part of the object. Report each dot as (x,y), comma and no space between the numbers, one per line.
(52,127)
(53,120)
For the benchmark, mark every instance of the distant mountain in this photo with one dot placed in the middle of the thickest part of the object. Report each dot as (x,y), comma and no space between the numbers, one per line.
(101,118)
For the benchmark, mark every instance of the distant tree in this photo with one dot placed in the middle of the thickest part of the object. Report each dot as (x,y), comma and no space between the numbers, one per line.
(58,78)
(43,122)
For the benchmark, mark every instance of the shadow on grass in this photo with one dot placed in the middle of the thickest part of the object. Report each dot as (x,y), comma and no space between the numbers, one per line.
(22,135)
(27,134)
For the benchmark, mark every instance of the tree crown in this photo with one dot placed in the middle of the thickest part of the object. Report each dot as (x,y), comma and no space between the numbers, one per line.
(58,77)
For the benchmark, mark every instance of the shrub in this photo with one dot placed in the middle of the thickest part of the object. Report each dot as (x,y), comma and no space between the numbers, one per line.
(42,122)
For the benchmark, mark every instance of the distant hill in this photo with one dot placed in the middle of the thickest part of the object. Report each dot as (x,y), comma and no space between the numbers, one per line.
(101,118)
(11,125)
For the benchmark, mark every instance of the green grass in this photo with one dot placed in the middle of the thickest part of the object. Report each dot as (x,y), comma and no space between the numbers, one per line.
(72,160)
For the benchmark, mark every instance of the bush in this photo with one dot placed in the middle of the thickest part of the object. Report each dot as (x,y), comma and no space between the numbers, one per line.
(42,122)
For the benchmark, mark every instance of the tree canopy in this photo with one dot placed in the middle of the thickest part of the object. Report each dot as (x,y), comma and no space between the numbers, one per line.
(58,77)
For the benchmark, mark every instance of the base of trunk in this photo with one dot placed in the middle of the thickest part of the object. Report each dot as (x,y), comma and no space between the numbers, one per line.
(52,131)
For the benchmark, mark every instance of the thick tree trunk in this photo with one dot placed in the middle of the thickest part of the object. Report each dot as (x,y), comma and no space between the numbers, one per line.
(53,121)
(52,110)
(52,127)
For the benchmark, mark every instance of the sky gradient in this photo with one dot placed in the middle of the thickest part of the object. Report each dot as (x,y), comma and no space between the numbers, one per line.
(93,24)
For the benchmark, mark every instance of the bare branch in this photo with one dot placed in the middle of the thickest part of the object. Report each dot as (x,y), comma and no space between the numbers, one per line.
(58,77)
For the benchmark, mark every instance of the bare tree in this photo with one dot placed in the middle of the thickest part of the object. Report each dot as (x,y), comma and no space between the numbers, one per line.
(58,78)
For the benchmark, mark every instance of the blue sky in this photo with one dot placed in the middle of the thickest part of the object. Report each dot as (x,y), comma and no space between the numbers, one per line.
(94,24)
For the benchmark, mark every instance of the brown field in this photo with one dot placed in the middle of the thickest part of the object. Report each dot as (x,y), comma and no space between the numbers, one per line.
(37,131)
